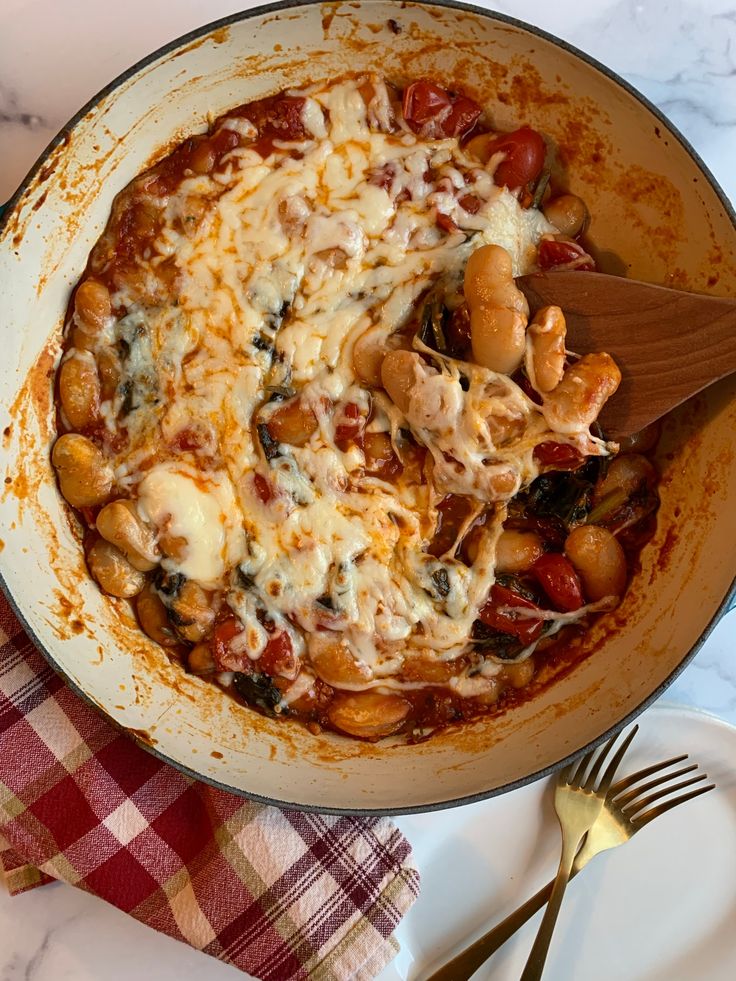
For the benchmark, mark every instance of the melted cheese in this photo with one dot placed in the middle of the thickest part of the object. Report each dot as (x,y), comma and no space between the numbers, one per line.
(284,263)
(203,513)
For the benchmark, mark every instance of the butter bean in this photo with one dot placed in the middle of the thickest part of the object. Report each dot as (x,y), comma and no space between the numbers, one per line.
(85,477)
(368,714)
(599,560)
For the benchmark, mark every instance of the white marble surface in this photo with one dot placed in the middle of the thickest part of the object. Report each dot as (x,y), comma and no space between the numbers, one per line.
(54,55)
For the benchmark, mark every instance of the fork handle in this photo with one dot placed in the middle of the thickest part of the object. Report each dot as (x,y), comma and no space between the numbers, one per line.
(467,962)
(538,954)
(464,965)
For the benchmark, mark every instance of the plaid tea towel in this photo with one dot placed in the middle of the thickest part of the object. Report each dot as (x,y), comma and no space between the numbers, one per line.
(280,894)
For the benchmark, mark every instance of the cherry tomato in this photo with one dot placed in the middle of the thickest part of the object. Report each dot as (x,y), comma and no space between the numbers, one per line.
(558,456)
(423,101)
(470,203)
(262,488)
(525,150)
(527,629)
(445,223)
(223,634)
(278,117)
(564,252)
(189,438)
(278,655)
(462,117)
(557,577)
(433,113)
(351,427)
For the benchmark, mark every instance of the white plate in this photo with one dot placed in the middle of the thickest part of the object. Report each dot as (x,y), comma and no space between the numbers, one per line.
(660,908)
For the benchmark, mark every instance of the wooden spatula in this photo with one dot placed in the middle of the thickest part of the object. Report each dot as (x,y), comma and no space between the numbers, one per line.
(668,344)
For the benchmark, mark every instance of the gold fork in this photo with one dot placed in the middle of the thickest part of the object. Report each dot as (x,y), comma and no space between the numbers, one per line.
(579,800)
(624,813)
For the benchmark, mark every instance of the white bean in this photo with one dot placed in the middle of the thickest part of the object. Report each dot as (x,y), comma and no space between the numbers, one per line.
(293,422)
(626,474)
(599,561)
(498,310)
(368,714)
(368,353)
(575,403)
(398,376)
(545,349)
(517,551)
(85,477)
(191,612)
(568,213)
(480,146)
(498,338)
(112,571)
(92,306)
(518,675)
(153,618)
(200,660)
(79,389)
(489,280)
(120,524)
(334,663)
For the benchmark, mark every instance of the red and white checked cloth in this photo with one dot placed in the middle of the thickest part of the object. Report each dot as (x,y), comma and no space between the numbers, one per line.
(280,894)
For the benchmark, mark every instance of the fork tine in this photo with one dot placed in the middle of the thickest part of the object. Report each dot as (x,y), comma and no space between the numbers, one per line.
(633,778)
(577,768)
(614,763)
(639,805)
(622,800)
(654,812)
(610,770)
(605,749)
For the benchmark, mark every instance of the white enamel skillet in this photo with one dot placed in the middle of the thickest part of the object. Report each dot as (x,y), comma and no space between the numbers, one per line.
(658,215)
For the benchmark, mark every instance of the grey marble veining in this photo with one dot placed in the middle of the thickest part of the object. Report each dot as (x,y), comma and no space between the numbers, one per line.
(11,114)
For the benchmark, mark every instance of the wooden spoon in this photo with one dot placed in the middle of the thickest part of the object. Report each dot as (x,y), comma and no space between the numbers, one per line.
(668,344)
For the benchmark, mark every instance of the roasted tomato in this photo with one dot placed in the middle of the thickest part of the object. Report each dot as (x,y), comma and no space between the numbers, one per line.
(223,634)
(527,629)
(278,656)
(561,251)
(558,456)
(262,488)
(434,113)
(350,427)
(557,577)
(525,150)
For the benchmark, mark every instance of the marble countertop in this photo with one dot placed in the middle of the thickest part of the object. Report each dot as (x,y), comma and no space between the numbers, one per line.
(54,55)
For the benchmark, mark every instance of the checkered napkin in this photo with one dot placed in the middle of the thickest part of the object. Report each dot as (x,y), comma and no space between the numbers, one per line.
(280,894)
